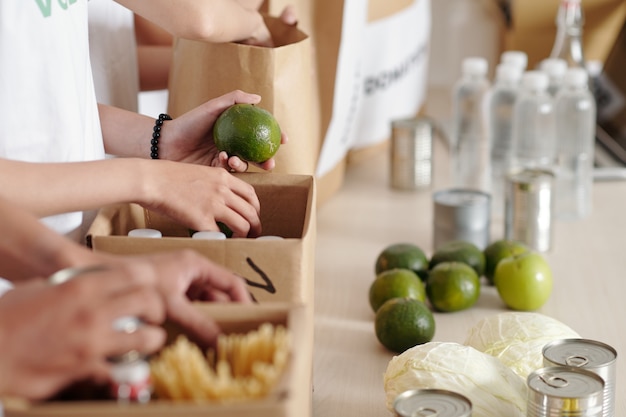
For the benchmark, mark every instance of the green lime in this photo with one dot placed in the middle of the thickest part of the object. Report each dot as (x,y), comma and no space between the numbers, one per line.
(247,131)
(460,251)
(499,250)
(452,286)
(403,255)
(402,323)
(395,283)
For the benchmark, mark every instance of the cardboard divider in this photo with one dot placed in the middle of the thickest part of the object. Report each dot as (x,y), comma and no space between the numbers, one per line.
(276,270)
(292,397)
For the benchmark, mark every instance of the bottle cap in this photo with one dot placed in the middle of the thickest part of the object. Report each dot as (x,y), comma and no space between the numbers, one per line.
(516,58)
(554,67)
(150,233)
(209,235)
(269,237)
(535,81)
(508,72)
(475,66)
(576,77)
(594,67)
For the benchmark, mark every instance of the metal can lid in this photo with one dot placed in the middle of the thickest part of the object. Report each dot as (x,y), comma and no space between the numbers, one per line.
(582,353)
(566,382)
(432,403)
(459,197)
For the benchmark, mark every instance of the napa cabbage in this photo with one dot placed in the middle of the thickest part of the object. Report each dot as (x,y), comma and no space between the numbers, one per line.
(517,338)
(493,388)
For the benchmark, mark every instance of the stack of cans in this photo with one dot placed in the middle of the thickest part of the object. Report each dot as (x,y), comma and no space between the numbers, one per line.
(578,380)
(590,355)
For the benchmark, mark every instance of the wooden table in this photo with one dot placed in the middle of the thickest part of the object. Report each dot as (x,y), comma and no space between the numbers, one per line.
(588,261)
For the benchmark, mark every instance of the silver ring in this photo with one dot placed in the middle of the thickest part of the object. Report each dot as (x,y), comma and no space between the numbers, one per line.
(67,274)
(127,324)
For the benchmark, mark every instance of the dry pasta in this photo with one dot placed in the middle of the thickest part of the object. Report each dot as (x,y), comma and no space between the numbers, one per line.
(245,366)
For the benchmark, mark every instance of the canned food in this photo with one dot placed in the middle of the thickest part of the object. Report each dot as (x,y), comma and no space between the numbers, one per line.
(411,153)
(591,355)
(529,208)
(563,391)
(431,403)
(461,214)
(131,380)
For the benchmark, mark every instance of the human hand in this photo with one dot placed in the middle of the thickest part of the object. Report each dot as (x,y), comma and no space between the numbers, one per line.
(199,196)
(186,276)
(189,138)
(262,36)
(56,335)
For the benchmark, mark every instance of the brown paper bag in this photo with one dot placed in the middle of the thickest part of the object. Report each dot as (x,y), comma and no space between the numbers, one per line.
(324,21)
(281,75)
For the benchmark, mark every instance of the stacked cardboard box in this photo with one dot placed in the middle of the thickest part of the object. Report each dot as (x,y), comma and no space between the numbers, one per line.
(280,278)
(290,398)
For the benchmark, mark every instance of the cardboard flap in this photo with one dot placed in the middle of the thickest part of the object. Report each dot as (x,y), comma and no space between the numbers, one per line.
(282,33)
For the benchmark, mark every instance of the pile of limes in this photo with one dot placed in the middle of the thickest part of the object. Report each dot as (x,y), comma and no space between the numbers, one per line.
(409,286)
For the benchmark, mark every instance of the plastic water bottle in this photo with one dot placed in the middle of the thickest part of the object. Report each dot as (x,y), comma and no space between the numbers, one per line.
(470,148)
(575,113)
(534,139)
(555,68)
(501,101)
(518,59)
(568,42)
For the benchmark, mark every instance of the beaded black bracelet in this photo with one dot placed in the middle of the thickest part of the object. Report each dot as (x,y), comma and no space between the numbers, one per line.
(156,135)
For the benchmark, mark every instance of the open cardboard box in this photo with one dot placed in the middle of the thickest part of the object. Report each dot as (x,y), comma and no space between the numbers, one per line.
(276,270)
(291,398)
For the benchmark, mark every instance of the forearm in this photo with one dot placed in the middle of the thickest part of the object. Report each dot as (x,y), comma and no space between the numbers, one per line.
(208,20)
(125,133)
(154,66)
(29,249)
(46,189)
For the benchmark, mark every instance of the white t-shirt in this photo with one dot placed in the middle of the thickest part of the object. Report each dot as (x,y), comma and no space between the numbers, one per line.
(47,88)
(113,50)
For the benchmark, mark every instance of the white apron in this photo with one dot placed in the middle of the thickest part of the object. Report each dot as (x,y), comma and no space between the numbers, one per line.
(47,94)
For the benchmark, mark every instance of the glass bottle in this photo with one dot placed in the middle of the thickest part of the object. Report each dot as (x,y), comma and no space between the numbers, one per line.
(568,42)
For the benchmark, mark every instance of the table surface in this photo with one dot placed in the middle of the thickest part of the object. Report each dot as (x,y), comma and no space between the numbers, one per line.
(587,260)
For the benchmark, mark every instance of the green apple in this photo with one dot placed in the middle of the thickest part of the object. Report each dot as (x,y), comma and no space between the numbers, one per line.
(498,250)
(524,281)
